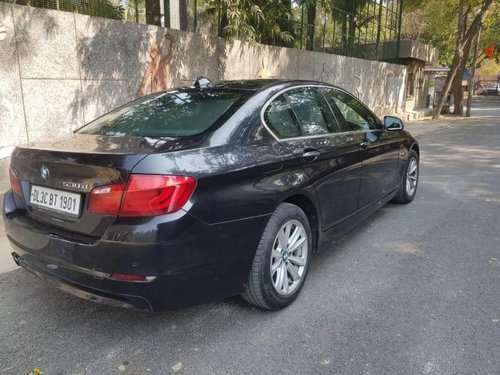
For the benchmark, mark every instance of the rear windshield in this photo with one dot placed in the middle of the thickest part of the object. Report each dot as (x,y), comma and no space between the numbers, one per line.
(170,114)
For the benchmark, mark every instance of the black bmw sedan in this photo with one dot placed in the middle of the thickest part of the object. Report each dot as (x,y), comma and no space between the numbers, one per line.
(204,192)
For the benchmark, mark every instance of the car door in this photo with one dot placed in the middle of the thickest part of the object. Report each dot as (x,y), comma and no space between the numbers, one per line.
(330,157)
(380,148)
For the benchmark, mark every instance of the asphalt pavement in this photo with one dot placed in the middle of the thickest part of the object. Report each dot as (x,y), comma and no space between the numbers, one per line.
(415,289)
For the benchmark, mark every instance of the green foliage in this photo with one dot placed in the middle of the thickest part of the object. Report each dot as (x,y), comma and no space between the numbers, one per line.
(488,69)
(275,26)
(414,24)
(350,6)
(491,31)
(255,21)
(438,25)
(441,29)
(410,5)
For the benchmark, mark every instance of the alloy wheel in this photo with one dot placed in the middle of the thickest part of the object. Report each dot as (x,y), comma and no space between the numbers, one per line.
(412,177)
(289,257)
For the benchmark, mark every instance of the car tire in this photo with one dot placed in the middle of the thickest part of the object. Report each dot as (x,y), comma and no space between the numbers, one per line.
(409,181)
(281,261)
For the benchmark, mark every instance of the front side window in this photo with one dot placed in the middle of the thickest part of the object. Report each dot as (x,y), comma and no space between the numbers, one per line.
(169,114)
(280,118)
(357,116)
(312,111)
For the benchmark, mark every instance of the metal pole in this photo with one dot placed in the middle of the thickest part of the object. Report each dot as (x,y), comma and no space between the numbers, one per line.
(166,13)
(219,21)
(400,21)
(324,24)
(183,15)
(333,36)
(472,72)
(195,15)
(301,24)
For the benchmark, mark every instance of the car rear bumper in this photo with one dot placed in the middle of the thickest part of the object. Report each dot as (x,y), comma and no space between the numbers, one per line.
(201,264)
(81,291)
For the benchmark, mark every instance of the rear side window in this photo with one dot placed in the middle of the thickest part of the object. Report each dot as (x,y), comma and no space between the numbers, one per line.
(356,114)
(170,114)
(313,112)
(280,118)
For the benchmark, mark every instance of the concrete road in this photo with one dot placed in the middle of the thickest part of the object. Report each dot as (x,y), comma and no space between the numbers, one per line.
(414,290)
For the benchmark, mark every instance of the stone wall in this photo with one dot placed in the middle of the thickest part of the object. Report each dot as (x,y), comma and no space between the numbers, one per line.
(60,70)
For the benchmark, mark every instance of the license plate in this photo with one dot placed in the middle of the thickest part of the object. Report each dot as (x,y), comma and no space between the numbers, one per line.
(55,200)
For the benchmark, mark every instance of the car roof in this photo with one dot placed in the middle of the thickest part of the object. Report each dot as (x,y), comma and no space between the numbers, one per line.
(260,84)
(256,84)
(247,84)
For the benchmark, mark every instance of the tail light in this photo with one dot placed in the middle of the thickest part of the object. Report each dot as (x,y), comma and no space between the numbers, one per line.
(106,200)
(143,195)
(15,184)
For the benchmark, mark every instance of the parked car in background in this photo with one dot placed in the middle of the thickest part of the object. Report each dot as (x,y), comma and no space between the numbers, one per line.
(489,88)
(204,192)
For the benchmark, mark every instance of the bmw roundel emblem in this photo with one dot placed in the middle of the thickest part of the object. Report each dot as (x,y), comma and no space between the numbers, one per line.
(44,173)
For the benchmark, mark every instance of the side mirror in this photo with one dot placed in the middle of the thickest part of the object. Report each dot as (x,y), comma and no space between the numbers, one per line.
(393,123)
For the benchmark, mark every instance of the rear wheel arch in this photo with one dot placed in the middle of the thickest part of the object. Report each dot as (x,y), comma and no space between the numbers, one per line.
(409,180)
(306,205)
(416,148)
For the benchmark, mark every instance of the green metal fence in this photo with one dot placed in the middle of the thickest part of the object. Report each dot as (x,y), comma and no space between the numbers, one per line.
(367,29)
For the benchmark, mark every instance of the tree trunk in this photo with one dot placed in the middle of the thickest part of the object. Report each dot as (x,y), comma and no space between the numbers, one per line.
(464,38)
(458,94)
(456,86)
(456,83)
(311,22)
(153,12)
(472,74)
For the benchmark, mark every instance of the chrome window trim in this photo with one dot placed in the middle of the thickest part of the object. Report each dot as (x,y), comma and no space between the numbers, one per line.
(281,92)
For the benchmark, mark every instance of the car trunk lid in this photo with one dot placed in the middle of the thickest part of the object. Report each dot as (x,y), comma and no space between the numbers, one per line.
(57,176)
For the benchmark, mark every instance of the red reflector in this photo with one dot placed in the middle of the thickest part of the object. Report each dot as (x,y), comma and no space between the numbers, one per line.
(152,195)
(106,200)
(125,277)
(15,184)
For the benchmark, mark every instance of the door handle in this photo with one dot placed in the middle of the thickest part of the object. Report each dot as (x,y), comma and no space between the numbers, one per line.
(365,146)
(310,155)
